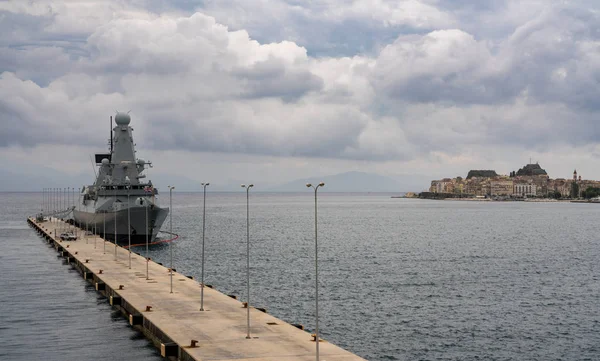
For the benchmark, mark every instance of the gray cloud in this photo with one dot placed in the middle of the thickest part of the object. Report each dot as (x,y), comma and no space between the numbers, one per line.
(272,78)
(330,27)
(553,58)
(195,84)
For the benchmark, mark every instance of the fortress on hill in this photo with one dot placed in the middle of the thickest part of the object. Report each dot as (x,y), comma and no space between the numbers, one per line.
(530,181)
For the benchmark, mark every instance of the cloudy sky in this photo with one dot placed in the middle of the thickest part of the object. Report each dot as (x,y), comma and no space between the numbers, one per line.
(273,90)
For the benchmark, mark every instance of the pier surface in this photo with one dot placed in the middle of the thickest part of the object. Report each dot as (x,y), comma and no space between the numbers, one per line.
(174,320)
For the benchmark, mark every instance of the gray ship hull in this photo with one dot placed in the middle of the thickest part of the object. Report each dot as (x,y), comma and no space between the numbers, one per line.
(104,223)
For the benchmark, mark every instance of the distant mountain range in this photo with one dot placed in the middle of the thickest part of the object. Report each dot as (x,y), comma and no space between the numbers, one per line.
(35,180)
(353,182)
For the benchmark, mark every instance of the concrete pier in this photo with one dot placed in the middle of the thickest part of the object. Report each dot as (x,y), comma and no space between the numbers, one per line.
(173,321)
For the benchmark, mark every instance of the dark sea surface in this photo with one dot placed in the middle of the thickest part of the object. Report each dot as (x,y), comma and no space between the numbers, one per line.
(399,279)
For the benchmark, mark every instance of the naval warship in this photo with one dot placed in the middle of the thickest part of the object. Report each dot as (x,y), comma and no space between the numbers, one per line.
(121,204)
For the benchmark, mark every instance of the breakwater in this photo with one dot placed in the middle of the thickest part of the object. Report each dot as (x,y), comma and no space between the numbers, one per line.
(141,290)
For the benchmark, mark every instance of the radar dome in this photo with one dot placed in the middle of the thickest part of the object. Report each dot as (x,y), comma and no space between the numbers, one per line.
(105,161)
(122,119)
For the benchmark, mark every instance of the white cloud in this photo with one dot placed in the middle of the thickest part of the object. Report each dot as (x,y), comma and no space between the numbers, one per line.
(324,24)
(445,96)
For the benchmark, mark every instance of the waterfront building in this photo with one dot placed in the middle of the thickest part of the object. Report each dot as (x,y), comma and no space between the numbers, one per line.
(529,181)
(442,186)
(524,190)
(560,185)
(501,187)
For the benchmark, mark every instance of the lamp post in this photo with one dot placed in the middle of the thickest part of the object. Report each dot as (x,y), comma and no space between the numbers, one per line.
(68,205)
(70,201)
(171,231)
(129,225)
(204,185)
(115,219)
(248,253)
(86,221)
(316,270)
(147,231)
(94,231)
(104,225)
(74,205)
(60,191)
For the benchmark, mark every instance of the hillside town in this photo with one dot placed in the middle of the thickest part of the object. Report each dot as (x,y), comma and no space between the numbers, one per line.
(531,181)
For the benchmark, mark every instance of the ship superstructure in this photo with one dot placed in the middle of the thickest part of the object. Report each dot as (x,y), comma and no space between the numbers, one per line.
(121,203)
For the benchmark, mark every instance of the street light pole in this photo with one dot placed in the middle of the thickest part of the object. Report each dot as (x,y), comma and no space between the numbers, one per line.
(74,207)
(147,259)
(69,205)
(204,185)
(317,339)
(115,219)
(62,207)
(104,224)
(248,254)
(171,231)
(129,224)
(72,204)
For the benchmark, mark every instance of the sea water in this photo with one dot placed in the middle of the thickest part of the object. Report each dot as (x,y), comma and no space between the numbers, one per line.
(400,279)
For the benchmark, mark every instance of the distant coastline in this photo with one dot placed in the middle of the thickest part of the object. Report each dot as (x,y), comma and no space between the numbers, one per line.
(529,200)
(530,183)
